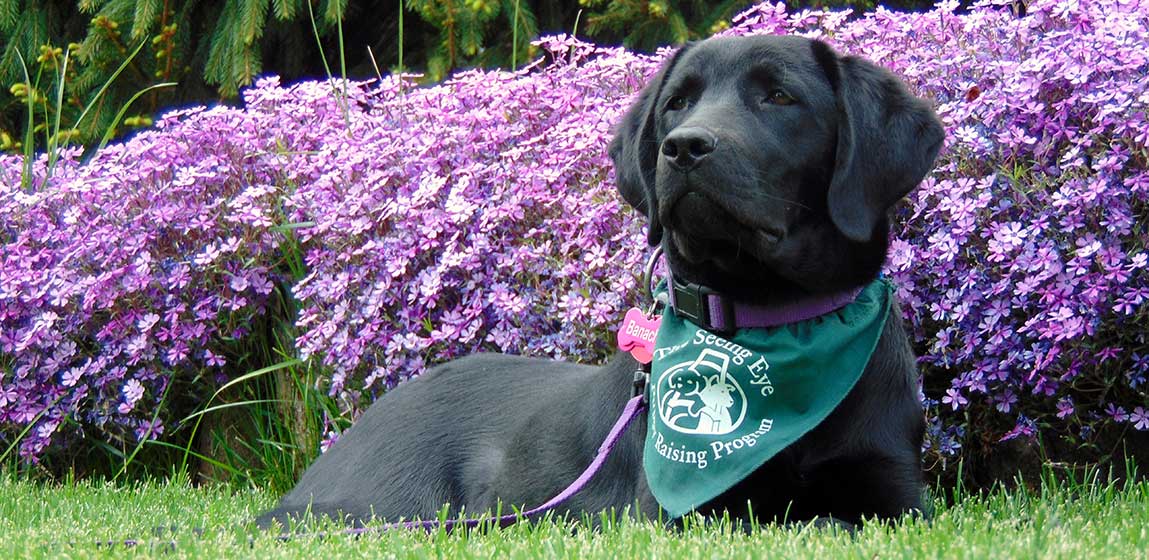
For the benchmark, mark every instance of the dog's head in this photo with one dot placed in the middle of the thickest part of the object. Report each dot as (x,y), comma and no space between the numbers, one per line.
(767,164)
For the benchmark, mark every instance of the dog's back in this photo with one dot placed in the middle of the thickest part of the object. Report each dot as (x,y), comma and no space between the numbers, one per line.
(469,434)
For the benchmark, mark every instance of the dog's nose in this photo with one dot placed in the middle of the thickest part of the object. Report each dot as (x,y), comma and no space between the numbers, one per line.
(685,148)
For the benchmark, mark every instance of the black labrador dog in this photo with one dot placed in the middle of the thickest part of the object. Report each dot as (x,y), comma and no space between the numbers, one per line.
(765,166)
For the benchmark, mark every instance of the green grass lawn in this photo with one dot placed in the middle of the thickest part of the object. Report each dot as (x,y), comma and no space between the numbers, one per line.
(1056,521)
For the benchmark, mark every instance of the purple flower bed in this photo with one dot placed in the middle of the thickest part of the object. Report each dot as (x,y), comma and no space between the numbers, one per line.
(480,214)
(477,214)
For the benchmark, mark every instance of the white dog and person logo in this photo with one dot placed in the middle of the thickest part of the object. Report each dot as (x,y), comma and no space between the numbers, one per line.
(721,406)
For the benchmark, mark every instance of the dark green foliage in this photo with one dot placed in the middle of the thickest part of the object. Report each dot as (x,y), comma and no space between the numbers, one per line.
(212,48)
(476,32)
(648,24)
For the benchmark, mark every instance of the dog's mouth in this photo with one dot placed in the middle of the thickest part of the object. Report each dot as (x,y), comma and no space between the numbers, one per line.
(702,231)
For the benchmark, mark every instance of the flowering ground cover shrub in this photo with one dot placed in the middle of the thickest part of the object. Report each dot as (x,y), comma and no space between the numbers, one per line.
(480,214)
(489,221)
(433,222)
(1021,260)
(126,273)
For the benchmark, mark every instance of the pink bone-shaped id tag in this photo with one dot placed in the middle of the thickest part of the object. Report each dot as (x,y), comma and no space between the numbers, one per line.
(636,335)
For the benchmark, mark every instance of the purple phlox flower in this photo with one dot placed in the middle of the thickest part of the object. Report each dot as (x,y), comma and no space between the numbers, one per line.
(148,321)
(1087,246)
(208,256)
(149,429)
(8,395)
(25,413)
(177,353)
(954,398)
(1117,413)
(261,284)
(1005,401)
(45,430)
(1108,353)
(239,282)
(132,391)
(71,376)
(575,305)
(1134,378)
(949,445)
(1140,362)
(213,359)
(329,439)
(1064,407)
(1023,428)
(1045,386)
(1139,418)
(1043,361)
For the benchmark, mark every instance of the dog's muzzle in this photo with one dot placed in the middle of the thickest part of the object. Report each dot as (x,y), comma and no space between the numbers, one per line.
(702,230)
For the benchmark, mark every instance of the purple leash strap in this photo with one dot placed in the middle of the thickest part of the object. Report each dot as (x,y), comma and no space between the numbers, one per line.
(633,408)
(631,411)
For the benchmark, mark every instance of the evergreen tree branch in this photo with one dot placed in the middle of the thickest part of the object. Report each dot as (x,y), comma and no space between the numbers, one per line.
(147,11)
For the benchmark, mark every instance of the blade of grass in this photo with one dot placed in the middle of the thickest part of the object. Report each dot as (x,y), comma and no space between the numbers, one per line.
(29,150)
(247,376)
(326,67)
(110,449)
(218,464)
(574,33)
(28,428)
(574,30)
(143,439)
(374,65)
(124,109)
(342,58)
(108,83)
(54,133)
(515,38)
(401,38)
(226,406)
(226,386)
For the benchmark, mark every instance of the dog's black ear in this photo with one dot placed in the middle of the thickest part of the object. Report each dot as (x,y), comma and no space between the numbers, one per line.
(634,150)
(887,142)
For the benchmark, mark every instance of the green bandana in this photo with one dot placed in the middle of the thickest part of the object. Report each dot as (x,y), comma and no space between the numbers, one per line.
(721,407)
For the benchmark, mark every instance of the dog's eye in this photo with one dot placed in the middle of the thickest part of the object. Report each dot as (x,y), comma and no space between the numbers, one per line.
(676,103)
(778,97)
